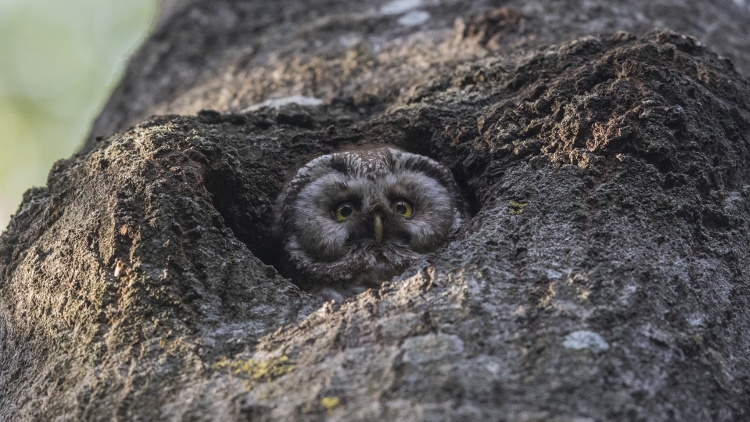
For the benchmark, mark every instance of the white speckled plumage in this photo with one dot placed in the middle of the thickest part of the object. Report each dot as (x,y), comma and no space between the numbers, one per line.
(337,259)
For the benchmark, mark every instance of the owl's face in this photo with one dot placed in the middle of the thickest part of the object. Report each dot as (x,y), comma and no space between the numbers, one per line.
(350,220)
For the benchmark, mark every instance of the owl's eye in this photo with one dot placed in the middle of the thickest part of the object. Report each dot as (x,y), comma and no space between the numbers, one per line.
(343,211)
(402,207)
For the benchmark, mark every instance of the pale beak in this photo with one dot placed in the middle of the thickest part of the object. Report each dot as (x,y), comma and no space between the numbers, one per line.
(378,220)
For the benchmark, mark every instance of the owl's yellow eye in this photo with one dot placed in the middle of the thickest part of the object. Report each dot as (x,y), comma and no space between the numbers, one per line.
(403,208)
(343,211)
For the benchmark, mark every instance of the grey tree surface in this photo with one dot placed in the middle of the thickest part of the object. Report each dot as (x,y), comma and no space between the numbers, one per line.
(603,275)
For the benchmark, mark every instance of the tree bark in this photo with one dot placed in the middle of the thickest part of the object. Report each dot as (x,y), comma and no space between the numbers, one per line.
(603,275)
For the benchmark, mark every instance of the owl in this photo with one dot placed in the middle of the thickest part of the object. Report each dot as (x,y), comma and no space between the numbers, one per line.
(351,220)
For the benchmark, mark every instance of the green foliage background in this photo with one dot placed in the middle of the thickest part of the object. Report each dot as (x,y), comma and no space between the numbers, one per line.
(59,60)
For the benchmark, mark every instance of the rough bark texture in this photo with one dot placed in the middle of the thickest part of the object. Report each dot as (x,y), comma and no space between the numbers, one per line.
(603,276)
(228,55)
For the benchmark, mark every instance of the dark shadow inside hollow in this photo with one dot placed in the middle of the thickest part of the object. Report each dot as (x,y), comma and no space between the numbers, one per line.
(245,214)
(423,138)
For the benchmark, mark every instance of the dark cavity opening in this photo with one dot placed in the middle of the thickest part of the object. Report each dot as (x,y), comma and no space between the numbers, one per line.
(245,213)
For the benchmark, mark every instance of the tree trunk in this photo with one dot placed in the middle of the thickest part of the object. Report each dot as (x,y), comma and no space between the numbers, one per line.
(603,275)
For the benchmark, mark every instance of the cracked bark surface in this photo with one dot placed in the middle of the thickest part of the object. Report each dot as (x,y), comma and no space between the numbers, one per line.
(602,277)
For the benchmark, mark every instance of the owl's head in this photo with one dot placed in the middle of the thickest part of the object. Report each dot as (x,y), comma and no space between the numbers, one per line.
(354,219)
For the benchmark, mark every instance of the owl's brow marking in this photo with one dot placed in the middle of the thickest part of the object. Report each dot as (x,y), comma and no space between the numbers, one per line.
(424,166)
(343,186)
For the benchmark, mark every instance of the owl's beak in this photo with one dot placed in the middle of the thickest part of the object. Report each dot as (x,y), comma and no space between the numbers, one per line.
(378,225)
